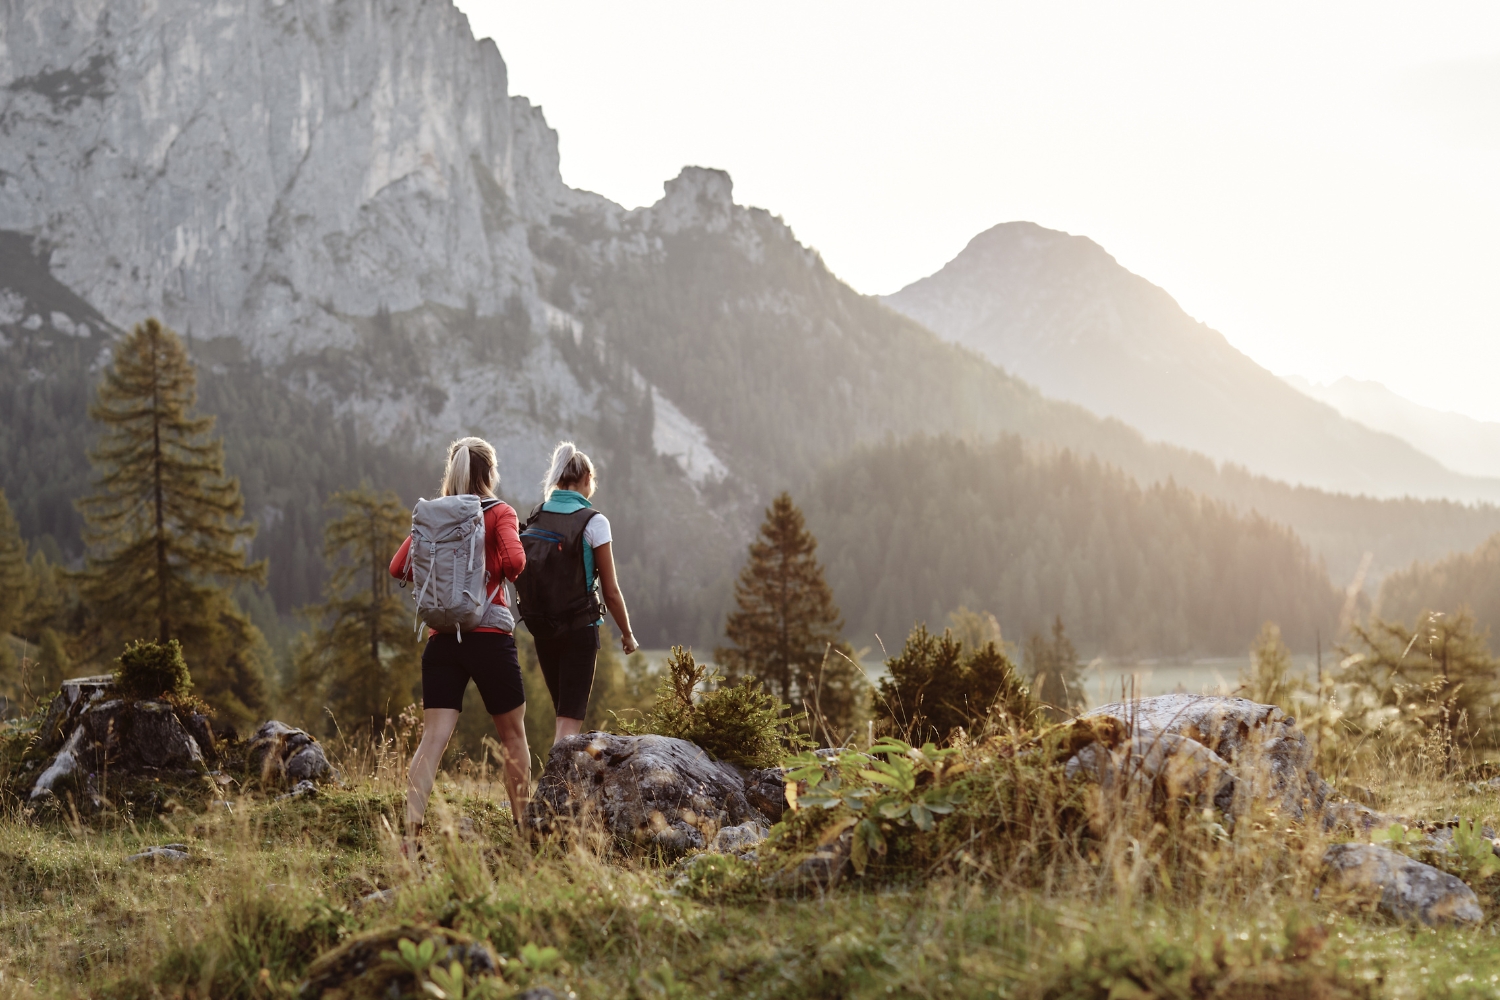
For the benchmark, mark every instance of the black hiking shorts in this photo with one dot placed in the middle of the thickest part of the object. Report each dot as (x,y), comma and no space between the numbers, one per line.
(488,657)
(567,661)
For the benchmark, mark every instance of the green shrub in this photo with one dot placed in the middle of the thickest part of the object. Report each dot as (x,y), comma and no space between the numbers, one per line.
(151,670)
(936,686)
(740,723)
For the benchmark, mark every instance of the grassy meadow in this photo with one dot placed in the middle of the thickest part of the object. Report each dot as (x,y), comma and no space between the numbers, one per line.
(1005,898)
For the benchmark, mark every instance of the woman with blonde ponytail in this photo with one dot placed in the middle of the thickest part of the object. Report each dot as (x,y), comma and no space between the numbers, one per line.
(570,580)
(486,654)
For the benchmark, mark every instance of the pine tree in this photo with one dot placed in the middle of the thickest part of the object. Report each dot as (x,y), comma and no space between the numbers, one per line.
(1272,680)
(1053,669)
(364,663)
(165,528)
(15,572)
(785,631)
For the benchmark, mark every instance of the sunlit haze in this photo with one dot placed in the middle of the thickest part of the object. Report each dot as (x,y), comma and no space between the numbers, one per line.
(1317,182)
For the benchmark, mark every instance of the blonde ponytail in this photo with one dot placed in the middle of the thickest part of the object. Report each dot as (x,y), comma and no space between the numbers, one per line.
(471,468)
(569,465)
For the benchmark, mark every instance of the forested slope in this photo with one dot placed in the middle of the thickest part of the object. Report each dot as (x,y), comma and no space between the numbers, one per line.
(1466,579)
(910,530)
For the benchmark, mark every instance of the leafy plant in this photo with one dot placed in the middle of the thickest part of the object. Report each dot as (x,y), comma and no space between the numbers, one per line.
(873,796)
(1475,852)
(414,958)
(740,723)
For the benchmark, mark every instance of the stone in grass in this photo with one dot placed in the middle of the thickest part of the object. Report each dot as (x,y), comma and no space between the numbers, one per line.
(279,752)
(359,967)
(165,852)
(653,792)
(1408,890)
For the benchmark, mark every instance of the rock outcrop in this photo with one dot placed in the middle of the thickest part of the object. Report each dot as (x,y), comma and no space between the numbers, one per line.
(1209,745)
(93,737)
(1399,886)
(648,792)
(279,752)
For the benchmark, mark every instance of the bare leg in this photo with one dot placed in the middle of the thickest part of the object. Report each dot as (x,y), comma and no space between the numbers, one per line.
(566,727)
(511,728)
(437,727)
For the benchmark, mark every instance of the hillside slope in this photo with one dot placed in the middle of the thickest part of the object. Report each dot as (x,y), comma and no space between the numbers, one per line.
(1060,312)
(1461,443)
(1029,535)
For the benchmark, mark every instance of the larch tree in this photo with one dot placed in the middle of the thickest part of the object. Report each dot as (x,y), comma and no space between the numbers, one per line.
(785,630)
(165,526)
(363,661)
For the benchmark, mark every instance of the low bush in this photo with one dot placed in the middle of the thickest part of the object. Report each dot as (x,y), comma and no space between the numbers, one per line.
(153,670)
(739,723)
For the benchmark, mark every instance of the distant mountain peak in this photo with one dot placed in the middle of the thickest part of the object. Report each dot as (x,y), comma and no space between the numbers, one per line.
(1060,312)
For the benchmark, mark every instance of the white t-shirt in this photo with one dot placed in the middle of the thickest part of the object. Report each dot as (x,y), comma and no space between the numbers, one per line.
(596,532)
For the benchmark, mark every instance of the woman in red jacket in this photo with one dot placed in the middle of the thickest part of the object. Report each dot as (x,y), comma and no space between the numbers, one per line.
(487,654)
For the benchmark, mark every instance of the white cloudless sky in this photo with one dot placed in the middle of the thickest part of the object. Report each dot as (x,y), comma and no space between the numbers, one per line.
(1319,182)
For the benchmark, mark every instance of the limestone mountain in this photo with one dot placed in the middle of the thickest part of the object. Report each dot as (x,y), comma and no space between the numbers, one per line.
(1060,312)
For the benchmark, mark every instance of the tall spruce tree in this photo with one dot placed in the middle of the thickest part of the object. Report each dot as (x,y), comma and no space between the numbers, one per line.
(785,631)
(165,529)
(364,661)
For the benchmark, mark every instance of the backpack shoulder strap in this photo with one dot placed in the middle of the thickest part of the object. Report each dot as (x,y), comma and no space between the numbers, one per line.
(489,502)
(532,516)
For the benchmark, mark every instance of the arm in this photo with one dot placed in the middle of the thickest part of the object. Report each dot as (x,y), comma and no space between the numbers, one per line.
(508,540)
(398,562)
(604,559)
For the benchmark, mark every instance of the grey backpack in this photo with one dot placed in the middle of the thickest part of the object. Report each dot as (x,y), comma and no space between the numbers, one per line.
(446,563)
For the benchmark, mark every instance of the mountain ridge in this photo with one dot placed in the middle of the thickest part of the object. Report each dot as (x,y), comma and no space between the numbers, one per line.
(1059,311)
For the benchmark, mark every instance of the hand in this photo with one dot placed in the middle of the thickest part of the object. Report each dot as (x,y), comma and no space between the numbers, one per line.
(628,643)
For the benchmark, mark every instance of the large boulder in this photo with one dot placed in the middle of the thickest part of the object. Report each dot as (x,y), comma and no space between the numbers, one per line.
(1399,886)
(1159,768)
(1269,755)
(651,792)
(283,753)
(91,732)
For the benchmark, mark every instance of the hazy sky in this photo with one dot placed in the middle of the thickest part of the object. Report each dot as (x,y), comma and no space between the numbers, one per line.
(1320,183)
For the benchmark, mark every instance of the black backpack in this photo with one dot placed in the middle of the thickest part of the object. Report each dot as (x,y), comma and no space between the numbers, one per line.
(553,595)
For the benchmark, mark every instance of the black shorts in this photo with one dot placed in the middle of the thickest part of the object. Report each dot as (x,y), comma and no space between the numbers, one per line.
(488,657)
(568,668)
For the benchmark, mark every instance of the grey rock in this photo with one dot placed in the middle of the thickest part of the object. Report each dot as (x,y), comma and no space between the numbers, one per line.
(537,993)
(765,789)
(1158,767)
(166,852)
(738,839)
(380,897)
(279,752)
(1408,889)
(139,735)
(650,792)
(61,770)
(1267,751)
(73,696)
(304,789)
(826,867)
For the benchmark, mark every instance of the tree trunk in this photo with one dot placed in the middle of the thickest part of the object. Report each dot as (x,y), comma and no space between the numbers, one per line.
(162,624)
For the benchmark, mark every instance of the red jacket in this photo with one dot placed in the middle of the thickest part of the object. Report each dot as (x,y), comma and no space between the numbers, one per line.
(503,555)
